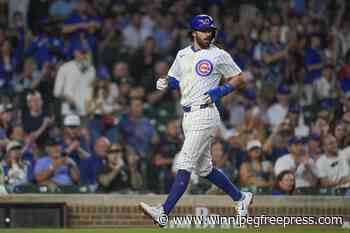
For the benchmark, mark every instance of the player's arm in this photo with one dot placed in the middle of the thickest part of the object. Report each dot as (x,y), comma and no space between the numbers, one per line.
(232,73)
(170,81)
(235,83)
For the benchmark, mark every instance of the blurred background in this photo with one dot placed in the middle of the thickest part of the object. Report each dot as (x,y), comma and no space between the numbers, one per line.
(79,110)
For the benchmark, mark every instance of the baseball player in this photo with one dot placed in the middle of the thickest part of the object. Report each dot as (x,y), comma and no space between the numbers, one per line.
(197,71)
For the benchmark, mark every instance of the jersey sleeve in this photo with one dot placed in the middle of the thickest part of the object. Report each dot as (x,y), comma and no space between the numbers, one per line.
(226,66)
(175,70)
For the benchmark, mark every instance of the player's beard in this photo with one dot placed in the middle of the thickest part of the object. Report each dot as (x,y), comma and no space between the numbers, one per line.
(203,42)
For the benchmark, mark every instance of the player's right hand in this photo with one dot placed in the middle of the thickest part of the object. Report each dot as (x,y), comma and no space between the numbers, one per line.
(162,84)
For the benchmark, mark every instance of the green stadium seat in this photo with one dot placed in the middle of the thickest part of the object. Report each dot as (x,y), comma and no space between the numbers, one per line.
(341,191)
(73,189)
(264,190)
(29,188)
(308,191)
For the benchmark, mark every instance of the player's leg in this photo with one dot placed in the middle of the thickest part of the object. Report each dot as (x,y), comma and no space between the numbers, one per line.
(205,169)
(217,177)
(193,147)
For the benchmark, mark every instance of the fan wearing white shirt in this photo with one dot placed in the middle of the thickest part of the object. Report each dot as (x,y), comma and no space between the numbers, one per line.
(333,167)
(73,83)
(278,111)
(302,165)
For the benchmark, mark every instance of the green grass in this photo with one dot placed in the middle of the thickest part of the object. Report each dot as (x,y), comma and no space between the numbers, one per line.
(293,229)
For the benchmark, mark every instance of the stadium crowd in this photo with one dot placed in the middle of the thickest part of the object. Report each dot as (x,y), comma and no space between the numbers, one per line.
(79,105)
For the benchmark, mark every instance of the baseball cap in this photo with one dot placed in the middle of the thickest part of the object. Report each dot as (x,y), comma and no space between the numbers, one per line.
(71,120)
(315,137)
(13,145)
(326,105)
(53,141)
(283,89)
(294,140)
(253,144)
(81,48)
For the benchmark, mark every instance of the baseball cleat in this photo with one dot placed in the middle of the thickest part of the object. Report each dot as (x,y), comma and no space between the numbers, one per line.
(156,213)
(242,206)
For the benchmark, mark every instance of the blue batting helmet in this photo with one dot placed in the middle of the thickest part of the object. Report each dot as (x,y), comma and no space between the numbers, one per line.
(202,22)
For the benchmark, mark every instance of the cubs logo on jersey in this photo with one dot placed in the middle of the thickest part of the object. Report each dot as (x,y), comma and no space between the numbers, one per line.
(204,67)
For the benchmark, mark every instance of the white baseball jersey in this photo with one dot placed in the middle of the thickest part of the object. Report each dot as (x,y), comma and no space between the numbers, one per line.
(197,73)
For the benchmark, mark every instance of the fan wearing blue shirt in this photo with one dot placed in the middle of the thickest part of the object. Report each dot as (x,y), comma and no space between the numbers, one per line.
(82,29)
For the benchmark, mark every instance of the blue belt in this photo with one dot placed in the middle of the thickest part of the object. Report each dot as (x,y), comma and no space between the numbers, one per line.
(189,108)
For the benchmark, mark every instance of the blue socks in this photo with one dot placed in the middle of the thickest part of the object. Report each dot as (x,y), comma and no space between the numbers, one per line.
(183,177)
(177,189)
(220,179)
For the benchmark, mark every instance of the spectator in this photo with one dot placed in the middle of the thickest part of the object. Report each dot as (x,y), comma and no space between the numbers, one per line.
(9,65)
(113,176)
(111,47)
(101,109)
(55,169)
(121,78)
(235,150)
(136,129)
(220,162)
(156,97)
(256,171)
(18,7)
(285,184)
(72,76)
(75,143)
(299,163)
(144,59)
(277,144)
(36,122)
(333,167)
(137,181)
(45,83)
(278,111)
(89,167)
(18,171)
(81,29)
(7,118)
(275,55)
(24,82)
(46,47)
(314,147)
(340,134)
(165,33)
(253,126)
(241,53)
(326,85)
(170,144)
(135,33)
(313,64)
(343,74)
